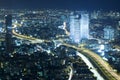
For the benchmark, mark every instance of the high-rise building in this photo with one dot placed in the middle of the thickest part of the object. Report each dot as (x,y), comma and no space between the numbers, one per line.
(109,33)
(75,28)
(84,27)
(79,27)
(8,37)
(72,26)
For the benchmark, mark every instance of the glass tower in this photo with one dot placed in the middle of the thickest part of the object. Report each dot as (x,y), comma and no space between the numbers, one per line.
(79,27)
(84,27)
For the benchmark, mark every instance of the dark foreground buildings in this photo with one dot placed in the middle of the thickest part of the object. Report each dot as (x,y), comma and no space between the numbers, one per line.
(8,37)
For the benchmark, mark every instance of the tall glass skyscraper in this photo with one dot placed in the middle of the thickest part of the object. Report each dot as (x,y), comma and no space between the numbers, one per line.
(75,28)
(79,27)
(84,27)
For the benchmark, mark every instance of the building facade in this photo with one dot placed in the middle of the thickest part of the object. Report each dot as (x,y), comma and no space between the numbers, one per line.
(109,33)
(84,27)
(79,27)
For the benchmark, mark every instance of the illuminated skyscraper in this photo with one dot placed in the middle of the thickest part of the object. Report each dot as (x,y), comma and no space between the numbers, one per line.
(72,22)
(79,27)
(109,33)
(75,28)
(8,37)
(84,27)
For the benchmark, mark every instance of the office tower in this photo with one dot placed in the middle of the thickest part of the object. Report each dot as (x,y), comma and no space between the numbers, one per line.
(75,28)
(84,27)
(109,33)
(72,26)
(79,27)
(8,37)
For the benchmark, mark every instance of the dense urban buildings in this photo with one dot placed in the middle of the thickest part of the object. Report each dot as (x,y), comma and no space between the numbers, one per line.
(41,44)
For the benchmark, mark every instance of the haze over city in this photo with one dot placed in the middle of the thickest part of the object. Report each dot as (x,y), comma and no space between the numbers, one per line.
(62,4)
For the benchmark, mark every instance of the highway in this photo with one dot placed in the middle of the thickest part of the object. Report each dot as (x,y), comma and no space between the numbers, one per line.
(32,39)
(105,67)
(108,70)
(70,74)
(117,47)
(91,67)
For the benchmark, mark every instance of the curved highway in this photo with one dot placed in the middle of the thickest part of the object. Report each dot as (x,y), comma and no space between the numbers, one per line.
(105,67)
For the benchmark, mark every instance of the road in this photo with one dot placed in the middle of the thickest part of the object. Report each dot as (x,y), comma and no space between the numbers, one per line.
(103,64)
(90,65)
(71,73)
(64,27)
(117,47)
(32,39)
(106,68)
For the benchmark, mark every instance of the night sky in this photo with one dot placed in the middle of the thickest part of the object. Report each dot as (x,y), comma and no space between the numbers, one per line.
(62,4)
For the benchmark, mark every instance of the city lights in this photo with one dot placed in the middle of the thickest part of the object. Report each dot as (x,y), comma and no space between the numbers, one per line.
(59,40)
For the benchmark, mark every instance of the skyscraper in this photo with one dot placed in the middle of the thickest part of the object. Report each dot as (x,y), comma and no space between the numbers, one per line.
(84,27)
(109,33)
(75,28)
(8,37)
(79,27)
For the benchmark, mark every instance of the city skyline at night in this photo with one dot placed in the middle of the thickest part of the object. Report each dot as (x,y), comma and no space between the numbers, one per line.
(59,40)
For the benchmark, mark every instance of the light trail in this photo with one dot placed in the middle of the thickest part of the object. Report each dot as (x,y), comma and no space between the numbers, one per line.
(91,67)
(71,74)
